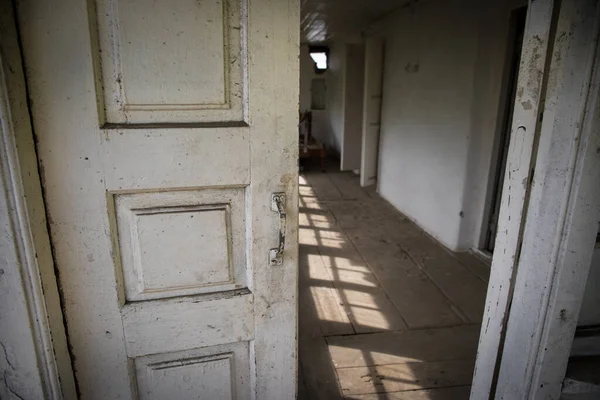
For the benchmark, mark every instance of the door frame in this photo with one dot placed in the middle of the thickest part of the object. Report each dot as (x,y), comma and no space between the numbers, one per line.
(501,141)
(372,99)
(513,204)
(34,342)
(33,281)
(549,215)
(561,228)
(351,143)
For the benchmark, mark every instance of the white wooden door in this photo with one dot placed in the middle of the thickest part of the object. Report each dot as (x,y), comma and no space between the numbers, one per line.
(163,128)
(371,123)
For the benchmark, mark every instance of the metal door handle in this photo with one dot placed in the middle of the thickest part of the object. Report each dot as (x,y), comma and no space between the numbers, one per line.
(278,205)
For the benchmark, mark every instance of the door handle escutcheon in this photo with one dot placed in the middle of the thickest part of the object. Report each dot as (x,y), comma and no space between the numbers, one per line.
(278,205)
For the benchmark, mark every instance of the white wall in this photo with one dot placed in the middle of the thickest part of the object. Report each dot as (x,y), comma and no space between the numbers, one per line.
(354,78)
(444,61)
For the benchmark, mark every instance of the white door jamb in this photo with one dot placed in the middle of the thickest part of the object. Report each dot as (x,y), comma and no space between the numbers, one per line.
(515,194)
(34,357)
(562,219)
(548,228)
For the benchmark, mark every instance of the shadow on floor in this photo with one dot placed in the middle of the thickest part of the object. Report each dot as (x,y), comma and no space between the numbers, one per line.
(385,311)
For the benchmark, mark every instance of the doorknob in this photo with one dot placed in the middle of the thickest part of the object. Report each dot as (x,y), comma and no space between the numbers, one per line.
(278,205)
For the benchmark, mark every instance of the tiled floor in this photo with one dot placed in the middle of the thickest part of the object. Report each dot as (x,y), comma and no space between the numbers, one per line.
(385,311)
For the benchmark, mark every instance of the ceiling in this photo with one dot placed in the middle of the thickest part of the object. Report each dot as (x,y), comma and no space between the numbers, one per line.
(326,20)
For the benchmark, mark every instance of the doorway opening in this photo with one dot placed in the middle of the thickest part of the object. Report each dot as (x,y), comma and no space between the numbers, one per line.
(384,266)
(517,28)
(390,297)
(389,302)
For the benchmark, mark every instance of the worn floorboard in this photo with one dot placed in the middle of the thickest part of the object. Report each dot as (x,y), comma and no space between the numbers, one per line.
(453,343)
(475,264)
(405,376)
(385,311)
(448,393)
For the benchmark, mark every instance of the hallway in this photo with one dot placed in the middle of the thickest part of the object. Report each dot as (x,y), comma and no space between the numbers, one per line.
(384,311)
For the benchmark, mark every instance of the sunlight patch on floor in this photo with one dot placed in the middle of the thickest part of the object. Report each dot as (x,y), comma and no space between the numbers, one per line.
(357,285)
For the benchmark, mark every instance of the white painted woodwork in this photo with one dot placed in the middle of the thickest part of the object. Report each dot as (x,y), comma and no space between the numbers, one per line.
(200,234)
(161,136)
(562,217)
(212,319)
(371,121)
(185,375)
(34,358)
(514,195)
(353,78)
(23,374)
(176,61)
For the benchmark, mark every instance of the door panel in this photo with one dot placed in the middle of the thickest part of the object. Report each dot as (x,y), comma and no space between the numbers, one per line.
(172,61)
(152,326)
(220,372)
(163,128)
(200,234)
(374,49)
(131,157)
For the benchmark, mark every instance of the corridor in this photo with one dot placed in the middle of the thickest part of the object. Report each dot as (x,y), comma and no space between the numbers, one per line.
(384,311)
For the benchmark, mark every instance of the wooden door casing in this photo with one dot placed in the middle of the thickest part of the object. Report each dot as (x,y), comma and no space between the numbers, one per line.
(158,180)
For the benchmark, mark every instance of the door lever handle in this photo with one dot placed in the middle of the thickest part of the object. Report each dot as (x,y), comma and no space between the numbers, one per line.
(278,205)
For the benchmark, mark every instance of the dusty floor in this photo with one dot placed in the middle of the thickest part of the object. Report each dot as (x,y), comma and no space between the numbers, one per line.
(385,312)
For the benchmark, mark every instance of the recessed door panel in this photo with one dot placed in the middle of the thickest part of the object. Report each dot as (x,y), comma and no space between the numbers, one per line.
(220,372)
(179,61)
(184,242)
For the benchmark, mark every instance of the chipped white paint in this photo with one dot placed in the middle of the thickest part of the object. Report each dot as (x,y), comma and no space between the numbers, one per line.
(225,329)
(562,217)
(34,360)
(205,228)
(374,47)
(157,374)
(150,327)
(514,194)
(22,372)
(180,61)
